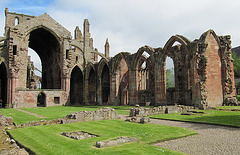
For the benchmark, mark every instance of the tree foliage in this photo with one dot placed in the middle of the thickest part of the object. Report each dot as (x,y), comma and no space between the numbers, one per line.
(170,78)
(236,64)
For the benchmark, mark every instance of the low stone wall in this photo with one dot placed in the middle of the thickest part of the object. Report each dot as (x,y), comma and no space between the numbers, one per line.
(7,144)
(117,141)
(83,116)
(5,121)
(139,111)
(39,123)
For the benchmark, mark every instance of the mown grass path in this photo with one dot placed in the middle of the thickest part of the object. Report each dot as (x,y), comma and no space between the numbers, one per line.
(31,113)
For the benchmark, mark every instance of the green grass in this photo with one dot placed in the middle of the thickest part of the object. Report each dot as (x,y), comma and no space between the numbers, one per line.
(61,111)
(54,112)
(229,107)
(47,139)
(229,118)
(18,116)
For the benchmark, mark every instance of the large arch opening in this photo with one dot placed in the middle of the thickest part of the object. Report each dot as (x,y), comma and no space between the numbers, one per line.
(92,86)
(170,73)
(47,47)
(145,74)
(105,81)
(76,86)
(122,82)
(34,70)
(176,92)
(171,91)
(3,86)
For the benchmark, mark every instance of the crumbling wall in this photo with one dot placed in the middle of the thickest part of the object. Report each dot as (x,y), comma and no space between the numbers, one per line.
(83,116)
(139,111)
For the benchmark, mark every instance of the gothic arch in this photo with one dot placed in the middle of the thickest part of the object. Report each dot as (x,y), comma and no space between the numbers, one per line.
(76,86)
(78,66)
(180,54)
(140,51)
(118,58)
(205,35)
(90,84)
(90,66)
(177,38)
(101,64)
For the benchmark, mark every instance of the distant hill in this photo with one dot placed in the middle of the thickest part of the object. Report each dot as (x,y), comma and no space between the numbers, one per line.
(236,50)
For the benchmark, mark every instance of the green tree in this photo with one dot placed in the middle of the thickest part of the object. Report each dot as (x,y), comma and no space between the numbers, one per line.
(236,63)
(170,77)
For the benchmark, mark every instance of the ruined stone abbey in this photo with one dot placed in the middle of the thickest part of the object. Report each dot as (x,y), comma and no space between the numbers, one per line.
(73,75)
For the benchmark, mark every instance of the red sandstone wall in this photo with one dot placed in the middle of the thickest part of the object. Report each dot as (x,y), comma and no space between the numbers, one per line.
(214,75)
(28,98)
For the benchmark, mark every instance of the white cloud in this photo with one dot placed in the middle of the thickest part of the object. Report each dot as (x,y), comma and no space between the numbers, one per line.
(130,24)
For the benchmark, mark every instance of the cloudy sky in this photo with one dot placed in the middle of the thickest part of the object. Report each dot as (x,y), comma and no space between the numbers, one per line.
(130,24)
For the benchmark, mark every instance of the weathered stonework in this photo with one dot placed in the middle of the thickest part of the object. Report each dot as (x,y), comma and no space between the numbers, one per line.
(117,141)
(8,145)
(83,116)
(72,74)
(78,135)
(141,112)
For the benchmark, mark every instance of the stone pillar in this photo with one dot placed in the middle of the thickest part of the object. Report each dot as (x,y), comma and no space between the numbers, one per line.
(86,92)
(87,50)
(113,88)
(157,84)
(99,90)
(66,87)
(133,92)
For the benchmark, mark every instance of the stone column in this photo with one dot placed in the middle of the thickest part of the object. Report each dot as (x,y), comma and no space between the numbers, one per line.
(160,83)
(99,90)
(86,92)
(133,92)
(113,95)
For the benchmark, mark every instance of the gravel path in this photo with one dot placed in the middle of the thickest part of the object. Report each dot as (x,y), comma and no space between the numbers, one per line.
(211,139)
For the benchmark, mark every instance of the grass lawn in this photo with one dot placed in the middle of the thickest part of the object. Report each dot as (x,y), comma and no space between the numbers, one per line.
(47,139)
(54,112)
(61,111)
(229,118)
(228,107)
(18,116)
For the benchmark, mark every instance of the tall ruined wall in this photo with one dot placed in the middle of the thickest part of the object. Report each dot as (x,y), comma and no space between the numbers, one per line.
(203,68)
(213,72)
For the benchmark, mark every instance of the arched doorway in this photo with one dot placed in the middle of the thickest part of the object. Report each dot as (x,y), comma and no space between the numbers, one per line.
(76,86)
(41,100)
(45,44)
(3,86)
(105,81)
(92,86)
